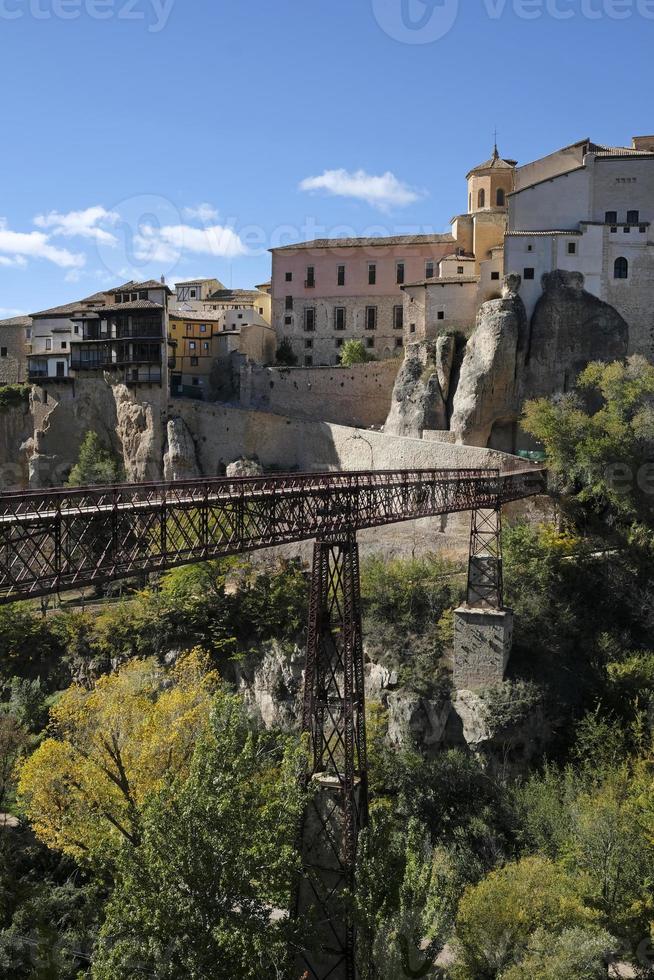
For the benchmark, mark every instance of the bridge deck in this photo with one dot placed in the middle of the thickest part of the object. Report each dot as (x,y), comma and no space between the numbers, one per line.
(60,539)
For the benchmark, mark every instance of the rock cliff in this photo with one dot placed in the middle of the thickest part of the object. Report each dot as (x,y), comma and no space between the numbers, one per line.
(180,459)
(419,399)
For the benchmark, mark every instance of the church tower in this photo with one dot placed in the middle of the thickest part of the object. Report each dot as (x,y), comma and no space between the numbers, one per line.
(490,183)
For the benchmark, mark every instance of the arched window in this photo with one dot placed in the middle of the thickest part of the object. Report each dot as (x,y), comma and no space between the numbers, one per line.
(621,269)
(481,198)
(501,198)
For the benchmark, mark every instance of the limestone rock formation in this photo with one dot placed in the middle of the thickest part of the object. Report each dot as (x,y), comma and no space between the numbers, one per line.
(140,431)
(418,401)
(569,329)
(180,459)
(490,380)
(244,467)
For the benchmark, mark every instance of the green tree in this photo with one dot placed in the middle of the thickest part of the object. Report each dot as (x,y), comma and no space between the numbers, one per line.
(95,464)
(217,855)
(497,917)
(286,356)
(581,954)
(599,441)
(354,352)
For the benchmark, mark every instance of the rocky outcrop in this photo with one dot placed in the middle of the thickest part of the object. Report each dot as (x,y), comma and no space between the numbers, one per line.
(490,380)
(569,329)
(180,459)
(419,401)
(244,467)
(140,432)
(15,433)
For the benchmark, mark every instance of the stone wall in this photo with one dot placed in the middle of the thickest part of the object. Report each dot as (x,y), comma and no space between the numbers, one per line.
(359,396)
(13,359)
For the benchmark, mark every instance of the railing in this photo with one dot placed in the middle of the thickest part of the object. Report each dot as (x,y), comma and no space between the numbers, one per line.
(62,539)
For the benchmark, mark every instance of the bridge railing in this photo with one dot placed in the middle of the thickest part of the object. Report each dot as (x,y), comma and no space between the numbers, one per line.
(65,538)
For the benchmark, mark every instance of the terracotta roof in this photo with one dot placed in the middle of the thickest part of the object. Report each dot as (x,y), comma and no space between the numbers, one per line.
(198,316)
(496,162)
(459,258)
(132,287)
(79,306)
(139,304)
(445,281)
(226,294)
(17,321)
(542,234)
(367,242)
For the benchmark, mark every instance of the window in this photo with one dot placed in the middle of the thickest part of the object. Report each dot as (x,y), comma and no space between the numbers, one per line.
(371,317)
(530,248)
(399,273)
(501,197)
(339,318)
(340,275)
(572,248)
(398,318)
(192,294)
(633,217)
(530,273)
(64,344)
(372,274)
(642,229)
(195,381)
(135,297)
(75,328)
(205,345)
(311,277)
(459,270)
(495,276)
(28,332)
(339,341)
(3,351)
(412,328)
(289,302)
(481,199)
(48,343)
(441,314)
(144,294)
(429,270)
(261,311)
(308,344)
(614,230)
(191,345)
(611,218)
(203,328)
(194,362)
(399,342)
(621,269)
(310,319)
(308,361)
(370,342)
(289,277)
(288,320)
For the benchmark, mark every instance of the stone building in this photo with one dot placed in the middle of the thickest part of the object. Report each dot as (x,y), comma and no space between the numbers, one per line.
(331,290)
(589,209)
(239,306)
(191,293)
(53,332)
(15,337)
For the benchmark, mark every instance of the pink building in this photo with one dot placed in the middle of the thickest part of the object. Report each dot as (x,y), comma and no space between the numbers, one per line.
(331,290)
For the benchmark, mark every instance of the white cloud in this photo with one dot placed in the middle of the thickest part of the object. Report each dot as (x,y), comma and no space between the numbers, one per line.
(80,224)
(6,312)
(74,275)
(13,261)
(383,192)
(16,247)
(203,212)
(166,245)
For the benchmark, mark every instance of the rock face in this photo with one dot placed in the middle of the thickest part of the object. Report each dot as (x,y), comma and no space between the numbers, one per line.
(180,459)
(569,329)
(419,400)
(244,467)
(490,380)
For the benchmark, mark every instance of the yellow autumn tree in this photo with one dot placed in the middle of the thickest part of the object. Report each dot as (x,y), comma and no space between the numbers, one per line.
(110,748)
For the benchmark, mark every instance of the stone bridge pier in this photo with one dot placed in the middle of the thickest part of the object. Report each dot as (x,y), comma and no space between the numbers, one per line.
(483,627)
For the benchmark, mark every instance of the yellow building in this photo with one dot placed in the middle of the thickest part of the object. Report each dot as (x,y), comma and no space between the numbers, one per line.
(199,342)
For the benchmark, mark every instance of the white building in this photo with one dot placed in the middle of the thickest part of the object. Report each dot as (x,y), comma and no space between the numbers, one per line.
(589,208)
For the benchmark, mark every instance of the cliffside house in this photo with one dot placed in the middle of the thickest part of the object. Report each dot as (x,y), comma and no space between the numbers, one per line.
(126,335)
(53,332)
(15,340)
(199,341)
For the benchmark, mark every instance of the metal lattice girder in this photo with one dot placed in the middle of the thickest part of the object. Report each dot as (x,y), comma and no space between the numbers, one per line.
(485,582)
(334,718)
(55,540)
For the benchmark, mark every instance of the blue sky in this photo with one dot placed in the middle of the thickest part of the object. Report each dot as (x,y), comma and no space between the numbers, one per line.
(184,137)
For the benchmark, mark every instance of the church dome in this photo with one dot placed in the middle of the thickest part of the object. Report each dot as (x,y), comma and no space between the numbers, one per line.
(496,162)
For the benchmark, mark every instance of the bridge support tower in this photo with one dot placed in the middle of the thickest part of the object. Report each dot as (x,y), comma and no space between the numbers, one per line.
(334,719)
(483,627)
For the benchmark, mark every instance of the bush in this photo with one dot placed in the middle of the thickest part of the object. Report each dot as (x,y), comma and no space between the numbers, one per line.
(285,354)
(354,352)
(576,953)
(13,395)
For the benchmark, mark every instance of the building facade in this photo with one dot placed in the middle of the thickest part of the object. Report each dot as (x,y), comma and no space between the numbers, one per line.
(329,291)
(15,338)
(589,208)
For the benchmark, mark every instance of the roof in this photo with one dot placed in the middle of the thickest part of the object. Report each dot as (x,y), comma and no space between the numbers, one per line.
(190,282)
(367,242)
(617,151)
(199,316)
(496,162)
(139,304)
(227,294)
(135,286)
(459,258)
(542,234)
(17,321)
(79,306)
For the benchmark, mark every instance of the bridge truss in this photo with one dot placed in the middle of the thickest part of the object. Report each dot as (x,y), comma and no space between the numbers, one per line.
(62,539)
